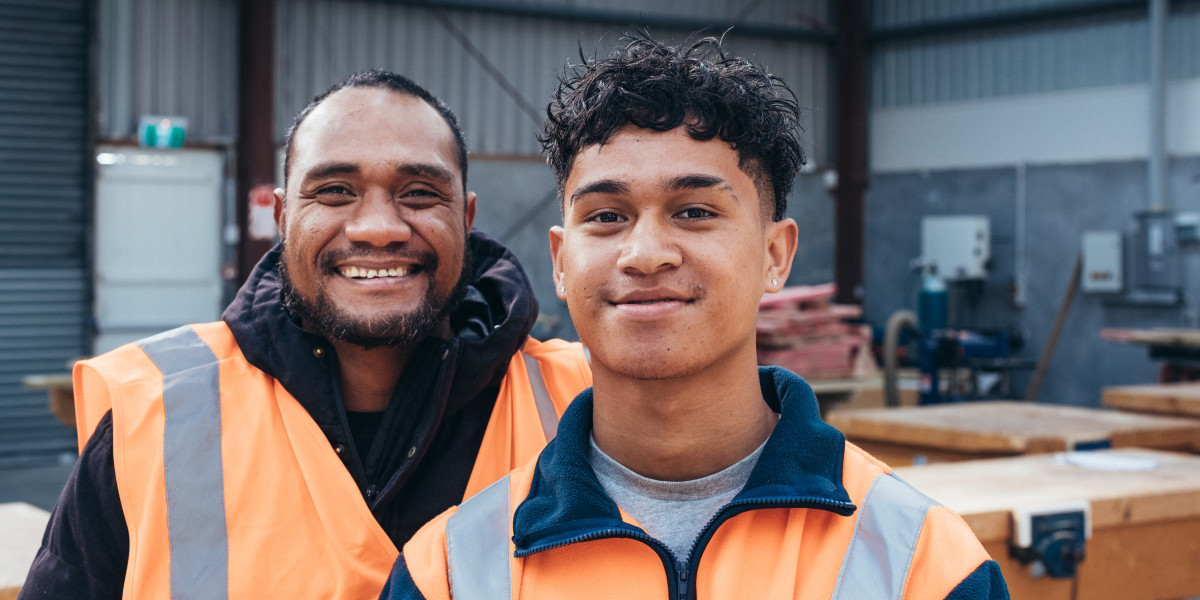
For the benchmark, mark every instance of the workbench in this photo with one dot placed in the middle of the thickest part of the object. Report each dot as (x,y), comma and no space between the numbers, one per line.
(21,528)
(1145,540)
(988,429)
(1180,399)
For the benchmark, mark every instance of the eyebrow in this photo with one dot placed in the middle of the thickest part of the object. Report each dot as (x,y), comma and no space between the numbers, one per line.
(436,173)
(603,186)
(428,171)
(324,170)
(696,182)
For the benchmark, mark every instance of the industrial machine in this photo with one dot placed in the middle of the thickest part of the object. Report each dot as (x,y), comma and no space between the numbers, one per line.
(955,251)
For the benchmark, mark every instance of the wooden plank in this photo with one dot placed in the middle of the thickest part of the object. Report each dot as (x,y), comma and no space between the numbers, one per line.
(1013,428)
(1146,524)
(1162,336)
(1180,399)
(21,527)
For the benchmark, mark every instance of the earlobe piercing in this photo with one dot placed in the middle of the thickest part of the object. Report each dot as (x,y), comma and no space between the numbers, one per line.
(562,289)
(774,281)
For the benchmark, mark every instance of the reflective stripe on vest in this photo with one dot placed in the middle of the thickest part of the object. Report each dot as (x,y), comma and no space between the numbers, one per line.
(195,486)
(875,565)
(541,397)
(477,553)
(885,538)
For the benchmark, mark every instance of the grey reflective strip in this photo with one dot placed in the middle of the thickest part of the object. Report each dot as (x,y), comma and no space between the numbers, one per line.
(542,397)
(477,546)
(885,537)
(192,464)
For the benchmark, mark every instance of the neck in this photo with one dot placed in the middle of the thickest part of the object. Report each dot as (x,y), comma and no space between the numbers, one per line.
(369,377)
(681,428)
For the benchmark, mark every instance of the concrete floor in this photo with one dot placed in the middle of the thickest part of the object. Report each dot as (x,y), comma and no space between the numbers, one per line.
(38,485)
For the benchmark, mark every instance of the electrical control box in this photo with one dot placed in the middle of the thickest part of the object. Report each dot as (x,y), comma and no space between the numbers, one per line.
(956,247)
(1103,262)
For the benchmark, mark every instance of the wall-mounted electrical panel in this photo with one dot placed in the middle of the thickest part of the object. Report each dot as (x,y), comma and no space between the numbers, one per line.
(1103,262)
(956,247)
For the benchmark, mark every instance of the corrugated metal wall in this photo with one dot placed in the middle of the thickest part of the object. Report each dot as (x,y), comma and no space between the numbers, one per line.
(1068,51)
(323,41)
(169,57)
(43,181)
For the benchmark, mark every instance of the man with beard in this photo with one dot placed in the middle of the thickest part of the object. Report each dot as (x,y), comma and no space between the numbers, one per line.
(374,369)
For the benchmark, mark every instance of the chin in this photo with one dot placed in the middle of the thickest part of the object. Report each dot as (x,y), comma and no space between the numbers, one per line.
(651,366)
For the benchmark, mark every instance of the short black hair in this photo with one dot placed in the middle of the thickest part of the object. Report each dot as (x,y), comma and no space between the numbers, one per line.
(378,78)
(697,85)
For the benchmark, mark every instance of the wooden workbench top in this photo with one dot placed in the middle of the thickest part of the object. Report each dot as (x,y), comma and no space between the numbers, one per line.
(21,527)
(1182,399)
(985,492)
(1013,427)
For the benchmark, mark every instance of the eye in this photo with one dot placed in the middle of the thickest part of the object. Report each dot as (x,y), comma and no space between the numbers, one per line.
(605,217)
(336,190)
(696,213)
(421,197)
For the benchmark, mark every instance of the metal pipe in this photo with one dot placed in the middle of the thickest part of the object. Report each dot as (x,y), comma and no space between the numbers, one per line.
(607,17)
(899,321)
(1157,166)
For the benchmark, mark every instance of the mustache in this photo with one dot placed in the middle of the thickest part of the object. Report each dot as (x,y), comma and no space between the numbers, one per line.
(427,260)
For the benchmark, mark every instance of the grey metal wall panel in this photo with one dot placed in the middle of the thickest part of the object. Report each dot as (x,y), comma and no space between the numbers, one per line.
(43,181)
(179,58)
(1104,49)
(323,41)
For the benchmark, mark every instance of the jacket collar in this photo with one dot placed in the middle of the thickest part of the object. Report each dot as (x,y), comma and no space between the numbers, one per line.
(800,466)
(490,324)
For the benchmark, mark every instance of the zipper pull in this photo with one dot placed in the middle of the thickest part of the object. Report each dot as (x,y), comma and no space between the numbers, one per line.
(681,577)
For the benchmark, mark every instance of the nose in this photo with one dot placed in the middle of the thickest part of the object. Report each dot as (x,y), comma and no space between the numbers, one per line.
(378,221)
(648,248)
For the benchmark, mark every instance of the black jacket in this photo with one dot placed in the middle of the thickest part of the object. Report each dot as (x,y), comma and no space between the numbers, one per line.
(440,408)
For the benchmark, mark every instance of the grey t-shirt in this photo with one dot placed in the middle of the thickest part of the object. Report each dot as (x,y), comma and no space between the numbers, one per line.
(672,512)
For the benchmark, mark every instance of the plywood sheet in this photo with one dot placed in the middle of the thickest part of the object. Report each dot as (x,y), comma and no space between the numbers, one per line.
(21,527)
(1182,399)
(1013,427)
(985,492)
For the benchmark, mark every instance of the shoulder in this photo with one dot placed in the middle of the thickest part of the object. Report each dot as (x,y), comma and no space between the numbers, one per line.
(421,571)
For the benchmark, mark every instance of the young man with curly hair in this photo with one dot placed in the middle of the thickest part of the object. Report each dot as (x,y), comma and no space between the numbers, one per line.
(686,471)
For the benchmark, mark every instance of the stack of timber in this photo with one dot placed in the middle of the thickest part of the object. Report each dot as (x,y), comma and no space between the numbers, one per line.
(800,328)
(1181,399)
(970,430)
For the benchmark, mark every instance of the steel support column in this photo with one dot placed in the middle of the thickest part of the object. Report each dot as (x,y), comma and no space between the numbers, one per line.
(255,137)
(851,138)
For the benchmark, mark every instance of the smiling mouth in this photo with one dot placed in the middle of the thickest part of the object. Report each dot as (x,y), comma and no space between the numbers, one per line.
(659,301)
(364,273)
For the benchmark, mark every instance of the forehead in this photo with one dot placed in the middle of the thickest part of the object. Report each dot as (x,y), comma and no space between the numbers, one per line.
(639,156)
(368,124)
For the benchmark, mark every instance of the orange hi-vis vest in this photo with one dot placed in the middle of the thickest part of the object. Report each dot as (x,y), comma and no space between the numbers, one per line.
(818,519)
(231,490)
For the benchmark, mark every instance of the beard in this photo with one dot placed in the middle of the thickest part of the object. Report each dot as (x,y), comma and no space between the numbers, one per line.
(320,315)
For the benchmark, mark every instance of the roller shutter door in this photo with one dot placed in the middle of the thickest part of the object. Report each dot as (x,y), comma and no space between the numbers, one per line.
(44,195)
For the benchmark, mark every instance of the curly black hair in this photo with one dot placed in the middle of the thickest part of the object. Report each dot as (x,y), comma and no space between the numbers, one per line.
(696,85)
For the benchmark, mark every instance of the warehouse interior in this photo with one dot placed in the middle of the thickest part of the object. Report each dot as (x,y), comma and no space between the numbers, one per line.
(1008,191)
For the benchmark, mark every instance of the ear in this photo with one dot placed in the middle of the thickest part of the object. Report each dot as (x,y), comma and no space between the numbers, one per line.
(557,257)
(782,239)
(280,219)
(469,212)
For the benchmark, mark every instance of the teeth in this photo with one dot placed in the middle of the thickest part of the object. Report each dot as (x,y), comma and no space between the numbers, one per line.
(357,273)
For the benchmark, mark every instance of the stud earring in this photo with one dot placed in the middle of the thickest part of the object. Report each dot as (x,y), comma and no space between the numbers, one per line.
(774,281)
(562,289)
